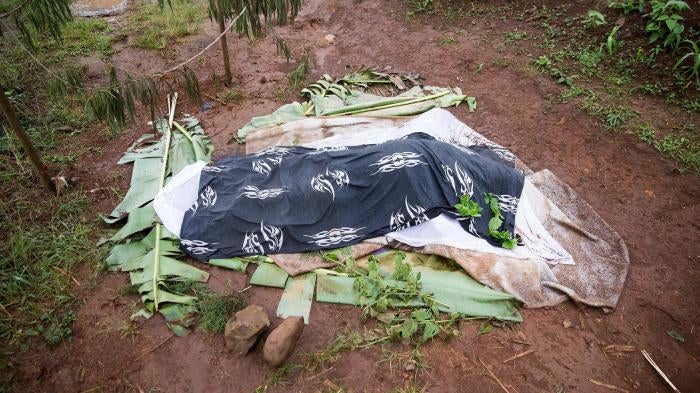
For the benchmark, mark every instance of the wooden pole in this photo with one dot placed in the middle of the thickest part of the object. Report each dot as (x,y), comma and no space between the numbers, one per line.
(26,142)
(224,43)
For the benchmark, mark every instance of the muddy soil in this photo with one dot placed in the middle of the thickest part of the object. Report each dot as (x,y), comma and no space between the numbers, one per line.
(653,206)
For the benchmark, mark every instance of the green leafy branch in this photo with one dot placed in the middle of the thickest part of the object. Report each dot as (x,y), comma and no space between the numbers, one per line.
(467,207)
(505,237)
(380,295)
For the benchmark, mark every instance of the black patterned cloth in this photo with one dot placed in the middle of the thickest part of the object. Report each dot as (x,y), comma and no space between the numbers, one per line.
(296,199)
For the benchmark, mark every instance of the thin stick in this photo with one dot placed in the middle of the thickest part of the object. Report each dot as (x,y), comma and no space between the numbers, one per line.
(322,372)
(605,385)
(494,376)
(154,348)
(529,351)
(66,274)
(658,370)
(392,105)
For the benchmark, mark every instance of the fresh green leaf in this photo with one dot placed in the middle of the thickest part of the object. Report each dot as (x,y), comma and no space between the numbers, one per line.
(484,328)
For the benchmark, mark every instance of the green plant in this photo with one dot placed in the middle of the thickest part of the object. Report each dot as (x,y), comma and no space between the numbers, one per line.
(55,329)
(589,59)
(612,43)
(628,6)
(467,207)
(419,6)
(682,147)
(594,18)
(664,26)
(504,236)
(692,57)
(515,35)
(297,77)
(646,133)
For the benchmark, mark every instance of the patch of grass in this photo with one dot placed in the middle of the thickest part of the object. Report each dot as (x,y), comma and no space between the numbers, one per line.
(214,309)
(47,241)
(151,27)
(588,60)
(682,147)
(83,37)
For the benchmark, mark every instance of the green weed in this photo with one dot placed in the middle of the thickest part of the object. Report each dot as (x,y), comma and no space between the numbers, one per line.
(447,41)
(683,147)
(646,133)
(595,18)
(665,27)
(297,78)
(420,6)
(515,36)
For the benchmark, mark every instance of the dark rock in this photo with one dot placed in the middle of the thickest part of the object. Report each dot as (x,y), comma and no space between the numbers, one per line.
(244,329)
(281,342)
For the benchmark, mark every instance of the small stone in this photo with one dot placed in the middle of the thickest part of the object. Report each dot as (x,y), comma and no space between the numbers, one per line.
(93,67)
(330,39)
(263,79)
(244,328)
(281,342)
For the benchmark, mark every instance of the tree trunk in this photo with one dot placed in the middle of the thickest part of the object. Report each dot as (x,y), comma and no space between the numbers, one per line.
(26,142)
(224,44)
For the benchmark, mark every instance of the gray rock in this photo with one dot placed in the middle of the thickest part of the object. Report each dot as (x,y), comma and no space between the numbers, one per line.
(281,342)
(244,328)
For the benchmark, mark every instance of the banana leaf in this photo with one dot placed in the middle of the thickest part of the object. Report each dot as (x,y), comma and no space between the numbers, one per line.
(152,260)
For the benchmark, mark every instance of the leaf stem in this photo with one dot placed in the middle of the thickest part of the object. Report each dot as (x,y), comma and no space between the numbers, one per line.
(164,172)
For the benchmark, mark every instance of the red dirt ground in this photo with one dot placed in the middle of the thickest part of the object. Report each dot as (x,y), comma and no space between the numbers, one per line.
(631,186)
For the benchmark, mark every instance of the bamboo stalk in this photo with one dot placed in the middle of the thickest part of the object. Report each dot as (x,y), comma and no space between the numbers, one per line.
(26,142)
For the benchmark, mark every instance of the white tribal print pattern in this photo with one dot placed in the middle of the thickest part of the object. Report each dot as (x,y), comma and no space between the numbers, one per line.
(208,197)
(197,247)
(335,236)
(463,184)
(271,235)
(399,220)
(324,182)
(253,192)
(396,161)
(508,203)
